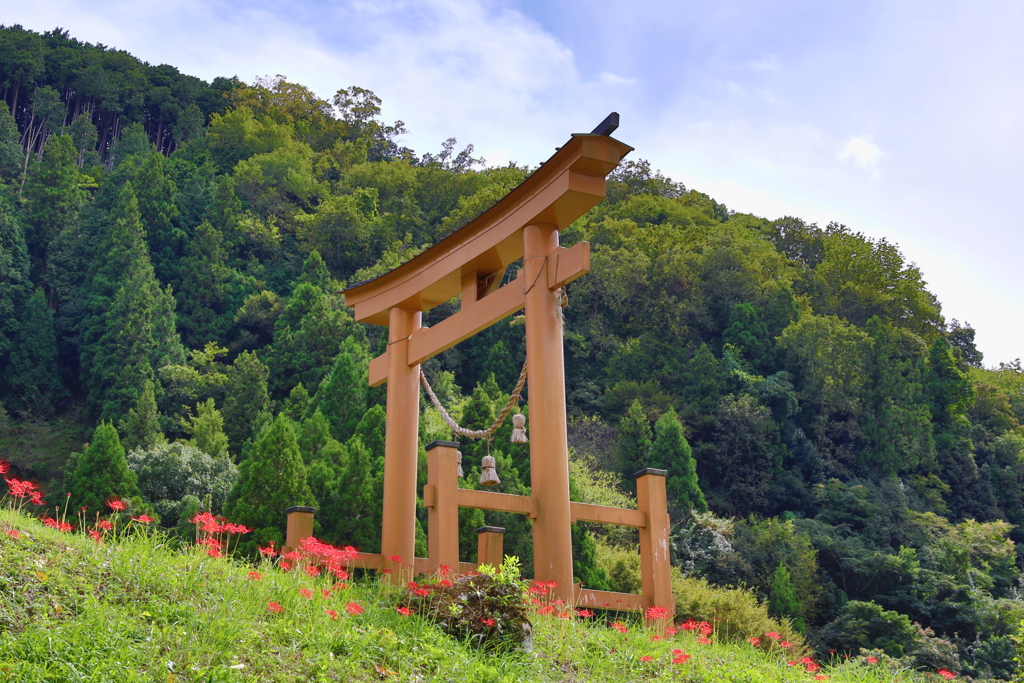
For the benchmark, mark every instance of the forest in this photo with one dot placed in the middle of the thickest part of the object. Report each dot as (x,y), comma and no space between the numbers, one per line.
(173,255)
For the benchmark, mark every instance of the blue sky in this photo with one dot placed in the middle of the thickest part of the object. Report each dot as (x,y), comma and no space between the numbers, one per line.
(900,119)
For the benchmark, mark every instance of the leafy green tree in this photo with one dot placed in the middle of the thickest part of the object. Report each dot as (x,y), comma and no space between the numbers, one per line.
(204,293)
(671,451)
(782,602)
(246,397)
(297,405)
(500,364)
(170,474)
(101,473)
(141,429)
(342,394)
(11,153)
(749,336)
(207,430)
(270,480)
(354,504)
(155,192)
(314,435)
(52,195)
(32,374)
(635,439)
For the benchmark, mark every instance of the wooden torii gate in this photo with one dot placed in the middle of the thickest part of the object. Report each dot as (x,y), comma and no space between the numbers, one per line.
(523,225)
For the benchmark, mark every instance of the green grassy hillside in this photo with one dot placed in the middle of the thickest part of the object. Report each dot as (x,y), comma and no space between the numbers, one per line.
(129,607)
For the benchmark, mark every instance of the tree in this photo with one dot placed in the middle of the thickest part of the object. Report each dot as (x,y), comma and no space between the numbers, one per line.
(15,287)
(671,451)
(749,336)
(32,374)
(101,473)
(782,602)
(245,399)
(52,196)
(10,146)
(204,289)
(342,394)
(272,479)
(141,429)
(172,474)
(635,438)
(207,430)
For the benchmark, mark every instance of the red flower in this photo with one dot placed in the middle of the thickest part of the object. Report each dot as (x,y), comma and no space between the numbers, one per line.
(445,583)
(947,674)
(646,658)
(312,571)
(236,528)
(754,641)
(142,519)
(354,608)
(255,575)
(443,570)
(325,593)
(679,657)
(285,565)
(773,635)
(36,498)
(655,638)
(332,614)
(5,466)
(305,592)
(489,622)
(95,535)
(116,504)
(105,525)
(657,613)
(13,533)
(703,640)
(585,613)
(786,643)
(821,677)
(671,630)
(619,626)
(269,550)
(404,611)
(871,660)
(397,559)
(274,607)
(51,522)
(203,518)
(422,592)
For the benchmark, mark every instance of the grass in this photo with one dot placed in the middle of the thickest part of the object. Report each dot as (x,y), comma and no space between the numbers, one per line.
(133,609)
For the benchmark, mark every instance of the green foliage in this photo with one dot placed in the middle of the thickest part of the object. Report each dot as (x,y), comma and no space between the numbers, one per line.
(34,384)
(868,626)
(270,480)
(101,473)
(635,438)
(207,430)
(671,451)
(342,394)
(141,429)
(245,398)
(782,602)
(170,475)
(52,195)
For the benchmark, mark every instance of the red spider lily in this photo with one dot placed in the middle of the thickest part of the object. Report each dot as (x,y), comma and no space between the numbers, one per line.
(354,608)
(871,660)
(444,570)
(13,533)
(794,663)
(679,657)
(51,522)
(312,570)
(332,614)
(422,592)
(655,638)
(821,677)
(105,525)
(203,518)
(785,643)
(285,566)
(143,519)
(293,555)
(325,593)
(305,592)
(397,559)
(703,640)
(671,630)
(36,498)
(646,658)
(706,628)
(754,641)
(116,504)
(236,528)
(95,535)
(255,575)
(340,573)
(274,607)
(22,489)
(549,609)
(488,622)
(584,613)
(339,586)
(773,635)
(268,551)
(657,613)
(5,466)
(619,626)
(445,583)
(412,585)
(813,667)
(806,660)
(947,674)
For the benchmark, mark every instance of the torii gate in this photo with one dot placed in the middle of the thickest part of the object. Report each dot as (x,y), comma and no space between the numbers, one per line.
(472,262)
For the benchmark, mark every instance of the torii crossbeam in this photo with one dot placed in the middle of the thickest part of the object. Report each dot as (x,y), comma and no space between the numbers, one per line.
(523,225)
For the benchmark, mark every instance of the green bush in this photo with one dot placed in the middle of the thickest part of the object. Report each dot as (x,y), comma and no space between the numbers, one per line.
(170,474)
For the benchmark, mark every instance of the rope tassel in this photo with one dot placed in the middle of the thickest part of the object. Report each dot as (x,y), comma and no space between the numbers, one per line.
(488,473)
(519,428)
(459,461)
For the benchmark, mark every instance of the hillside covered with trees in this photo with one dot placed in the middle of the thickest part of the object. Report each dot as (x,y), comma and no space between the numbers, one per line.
(172,254)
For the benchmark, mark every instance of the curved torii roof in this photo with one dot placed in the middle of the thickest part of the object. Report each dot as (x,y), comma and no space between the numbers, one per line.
(561,190)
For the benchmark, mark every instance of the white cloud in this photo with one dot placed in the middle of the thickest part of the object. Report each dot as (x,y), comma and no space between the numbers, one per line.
(615,79)
(762,64)
(863,152)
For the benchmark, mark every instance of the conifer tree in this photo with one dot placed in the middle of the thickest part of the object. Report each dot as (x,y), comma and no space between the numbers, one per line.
(749,336)
(782,601)
(141,429)
(297,405)
(32,374)
(155,191)
(15,288)
(314,434)
(207,430)
(499,363)
(342,394)
(52,195)
(11,153)
(245,399)
(272,479)
(315,272)
(356,502)
(634,440)
(101,473)
(206,313)
(671,451)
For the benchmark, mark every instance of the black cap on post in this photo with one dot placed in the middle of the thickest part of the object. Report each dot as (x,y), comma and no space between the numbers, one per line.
(608,126)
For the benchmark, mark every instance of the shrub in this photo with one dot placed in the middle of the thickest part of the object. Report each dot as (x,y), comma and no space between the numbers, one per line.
(172,474)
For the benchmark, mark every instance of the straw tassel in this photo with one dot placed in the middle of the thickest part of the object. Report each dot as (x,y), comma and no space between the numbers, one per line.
(488,475)
(459,460)
(519,428)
